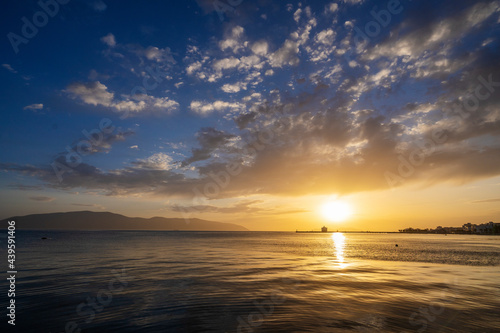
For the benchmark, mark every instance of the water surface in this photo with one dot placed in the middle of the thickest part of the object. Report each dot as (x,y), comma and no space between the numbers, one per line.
(255,282)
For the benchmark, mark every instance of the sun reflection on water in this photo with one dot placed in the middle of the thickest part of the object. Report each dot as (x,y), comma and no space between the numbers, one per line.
(339,243)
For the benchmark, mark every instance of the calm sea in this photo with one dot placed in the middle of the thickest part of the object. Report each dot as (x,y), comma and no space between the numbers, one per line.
(254,282)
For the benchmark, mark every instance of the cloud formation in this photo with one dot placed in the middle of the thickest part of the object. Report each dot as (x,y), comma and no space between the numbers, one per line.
(313,110)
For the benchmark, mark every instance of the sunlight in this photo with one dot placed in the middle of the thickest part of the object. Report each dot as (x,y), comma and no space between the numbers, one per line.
(336,211)
(339,243)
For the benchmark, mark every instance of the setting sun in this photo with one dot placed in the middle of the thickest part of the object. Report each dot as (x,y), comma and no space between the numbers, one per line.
(336,211)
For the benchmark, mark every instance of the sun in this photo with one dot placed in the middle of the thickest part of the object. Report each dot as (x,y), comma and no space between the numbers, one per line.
(336,210)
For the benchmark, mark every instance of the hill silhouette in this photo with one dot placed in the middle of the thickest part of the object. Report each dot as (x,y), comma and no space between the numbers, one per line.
(87,220)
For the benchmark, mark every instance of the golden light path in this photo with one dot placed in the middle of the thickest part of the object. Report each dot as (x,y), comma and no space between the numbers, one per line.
(339,244)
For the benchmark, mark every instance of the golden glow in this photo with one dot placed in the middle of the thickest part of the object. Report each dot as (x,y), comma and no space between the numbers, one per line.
(336,210)
(339,243)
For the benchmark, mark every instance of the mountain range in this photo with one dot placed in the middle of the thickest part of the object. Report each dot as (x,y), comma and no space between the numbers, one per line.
(87,220)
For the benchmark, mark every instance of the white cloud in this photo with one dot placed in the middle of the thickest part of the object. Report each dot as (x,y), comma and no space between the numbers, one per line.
(226,63)
(205,108)
(33,107)
(286,55)
(269,72)
(332,8)
(96,93)
(325,37)
(109,40)
(193,67)
(436,37)
(234,88)
(159,55)
(9,68)
(233,41)
(163,103)
(260,48)
(159,161)
(128,105)
(354,2)
(256,96)
(250,62)
(296,15)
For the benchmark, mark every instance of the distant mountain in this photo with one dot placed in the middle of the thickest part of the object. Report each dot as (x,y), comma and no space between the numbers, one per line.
(86,220)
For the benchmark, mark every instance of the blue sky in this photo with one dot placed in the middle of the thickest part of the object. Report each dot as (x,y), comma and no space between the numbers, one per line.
(305,100)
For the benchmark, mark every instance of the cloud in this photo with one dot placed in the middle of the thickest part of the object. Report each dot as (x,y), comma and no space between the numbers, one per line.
(331,8)
(486,201)
(260,48)
(242,207)
(205,108)
(99,6)
(158,55)
(286,55)
(159,161)
(340,118)
(34,107)
(234,88)
(89,205)
(437,35)
(42,198)
(109,40)
(325,37)
(22,187)
(94,93)
(354,2)
(209,139)
(233,40)
(9,68)
(296,15)
(97,94)
(226,63)
(102,145)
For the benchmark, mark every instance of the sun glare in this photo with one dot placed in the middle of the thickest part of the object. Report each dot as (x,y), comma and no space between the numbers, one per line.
(336,211)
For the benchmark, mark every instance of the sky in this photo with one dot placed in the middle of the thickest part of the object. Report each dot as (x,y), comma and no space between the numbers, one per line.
(253,112)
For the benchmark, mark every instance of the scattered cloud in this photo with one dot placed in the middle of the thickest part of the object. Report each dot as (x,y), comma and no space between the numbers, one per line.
(97,94)
(9,68)
(109,40)
(242,207)
(34,107)
(206,108)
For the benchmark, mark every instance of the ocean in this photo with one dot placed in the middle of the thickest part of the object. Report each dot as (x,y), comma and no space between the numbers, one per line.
(154,281)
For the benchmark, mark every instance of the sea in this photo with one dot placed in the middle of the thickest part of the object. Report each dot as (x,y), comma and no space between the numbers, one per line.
(174,281)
